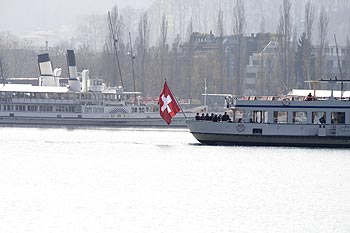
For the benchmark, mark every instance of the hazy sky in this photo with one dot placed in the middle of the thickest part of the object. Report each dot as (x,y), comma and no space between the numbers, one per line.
(21,16)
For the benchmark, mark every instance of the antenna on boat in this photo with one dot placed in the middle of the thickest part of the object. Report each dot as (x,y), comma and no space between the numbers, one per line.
(115,40)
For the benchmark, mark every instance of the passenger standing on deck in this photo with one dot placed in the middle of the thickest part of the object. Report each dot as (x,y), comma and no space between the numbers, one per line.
(309,97)
(225,117)
(211,116)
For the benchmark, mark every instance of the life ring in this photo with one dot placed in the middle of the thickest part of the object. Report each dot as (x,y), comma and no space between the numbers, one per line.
(240,127)
(286,101)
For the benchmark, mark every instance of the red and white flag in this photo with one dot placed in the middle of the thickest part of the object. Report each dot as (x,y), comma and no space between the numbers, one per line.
(167,104)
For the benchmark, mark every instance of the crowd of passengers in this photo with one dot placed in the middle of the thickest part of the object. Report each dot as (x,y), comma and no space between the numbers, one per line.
(213,117)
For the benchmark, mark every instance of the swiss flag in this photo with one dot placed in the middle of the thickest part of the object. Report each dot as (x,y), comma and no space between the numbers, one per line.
(167,104)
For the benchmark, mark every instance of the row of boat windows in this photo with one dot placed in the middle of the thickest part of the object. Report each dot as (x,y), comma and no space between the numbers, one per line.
(63,96)
(94,110)
(296,117)
(144,109)
(36,108)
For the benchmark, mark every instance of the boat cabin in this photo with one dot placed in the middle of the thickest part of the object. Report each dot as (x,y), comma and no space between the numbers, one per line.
(298,107)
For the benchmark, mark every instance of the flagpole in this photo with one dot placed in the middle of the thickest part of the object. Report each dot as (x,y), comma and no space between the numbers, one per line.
(177,101)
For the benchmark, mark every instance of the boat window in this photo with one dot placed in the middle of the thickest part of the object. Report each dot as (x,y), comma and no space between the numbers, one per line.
(259,117)
(98,110)
(280,117)
(238,116)
(71,96)
(338,117)
(318,117)
(299,117)
(60,109)
(9,107)
(31,108)
(88,109)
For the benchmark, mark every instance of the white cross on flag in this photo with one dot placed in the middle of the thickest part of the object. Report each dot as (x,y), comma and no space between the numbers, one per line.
(167,104)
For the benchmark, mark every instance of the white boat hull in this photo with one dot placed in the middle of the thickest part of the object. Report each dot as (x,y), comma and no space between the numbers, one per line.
(224,133)
(102,122)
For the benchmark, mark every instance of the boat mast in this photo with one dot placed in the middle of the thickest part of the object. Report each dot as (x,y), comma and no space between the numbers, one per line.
(115,40)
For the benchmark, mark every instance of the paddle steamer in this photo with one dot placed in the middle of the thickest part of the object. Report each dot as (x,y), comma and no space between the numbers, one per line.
(83,102)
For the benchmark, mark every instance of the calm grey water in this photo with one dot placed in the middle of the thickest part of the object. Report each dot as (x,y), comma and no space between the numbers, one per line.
(137,180)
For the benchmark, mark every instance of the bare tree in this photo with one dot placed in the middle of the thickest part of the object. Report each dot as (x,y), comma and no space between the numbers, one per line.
(309,19)
(143,37)
(163,43)
(90,31)
(285,31)
(2,70)
(182,11)
(190,58)
(221,52)
(322,31)
(174,61)
(347,54)
(262,25)
(308,24)
(347,59)
(239,24)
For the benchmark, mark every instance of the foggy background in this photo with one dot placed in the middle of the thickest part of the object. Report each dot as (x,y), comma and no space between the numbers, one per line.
(188,42)
(57,20)
(22,16)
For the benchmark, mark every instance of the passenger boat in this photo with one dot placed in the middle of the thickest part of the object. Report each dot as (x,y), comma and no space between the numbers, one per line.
(291,120)
(85,102)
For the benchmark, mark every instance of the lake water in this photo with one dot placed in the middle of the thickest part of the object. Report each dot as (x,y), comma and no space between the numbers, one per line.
(149,180)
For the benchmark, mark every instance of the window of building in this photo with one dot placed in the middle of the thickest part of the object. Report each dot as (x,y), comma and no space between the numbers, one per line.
(251,75)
